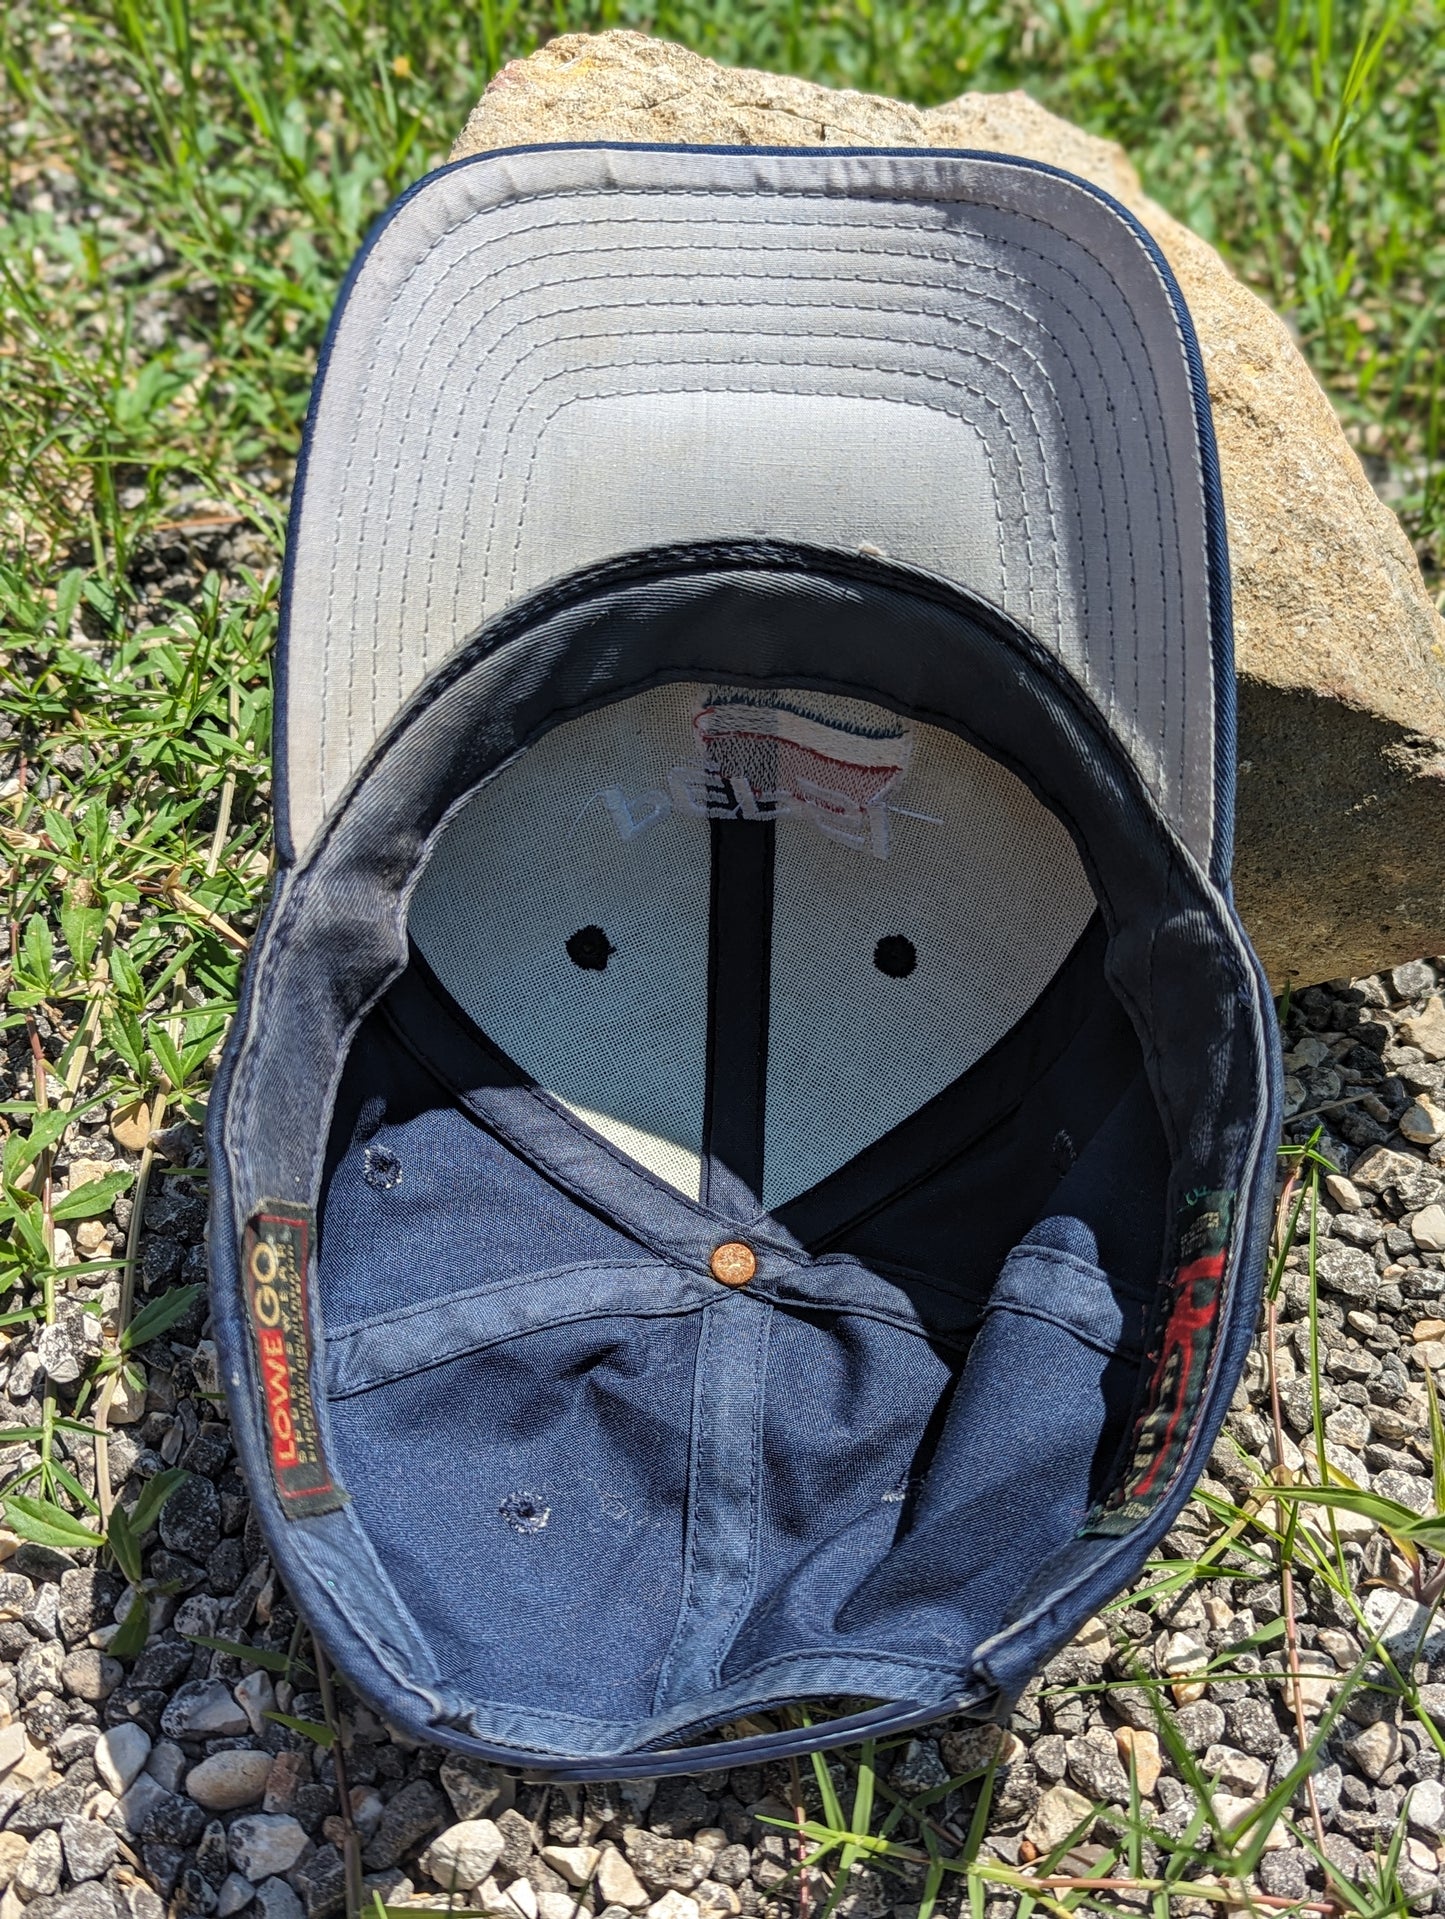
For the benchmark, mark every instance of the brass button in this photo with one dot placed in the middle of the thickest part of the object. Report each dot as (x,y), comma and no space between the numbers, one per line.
(733,1263)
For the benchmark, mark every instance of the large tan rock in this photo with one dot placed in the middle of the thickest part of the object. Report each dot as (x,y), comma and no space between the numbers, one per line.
(1341,654)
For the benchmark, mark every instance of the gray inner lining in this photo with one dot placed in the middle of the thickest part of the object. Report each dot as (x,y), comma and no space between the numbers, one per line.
(552,356)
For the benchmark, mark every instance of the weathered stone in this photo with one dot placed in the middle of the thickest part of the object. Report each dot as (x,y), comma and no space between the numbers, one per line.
(276,1900)
(50,1806)
(460,1858)
(13,1848)
(13,1745)
(1406,1629)
(415,1811)
(174,1821)
(89,1901)
(66,1347)
(234,1894)
(1427,1029)
(618,1884)
(473,1787)
(168,1764)
(190,1520)
(321,1881)
(1229,1811)
(918,1768)
(1094,1767)
(1344,1193)
(1347,1270)
(1425,1807)
(1380,1167)
(575,1863)
(204,1709)
(38,1873)
(517,1902)
(1235,1772)
(1285,1874)
(135,1805)
(1376,1748)
(213,1856)
(39,1669)
(1341,653)
(288,1772)
(90,1675)
(136,1900)
(195,1896)
(664,1865)
(1427,1229)
(1058,1814)
(968,1748)
(1142,1750)
(1200,1724)
(90,1848)
(517,1843)
(1316,1682)
(256,1696)
(1422,1122)
(264,1843)
(672,1905)
(228,1780)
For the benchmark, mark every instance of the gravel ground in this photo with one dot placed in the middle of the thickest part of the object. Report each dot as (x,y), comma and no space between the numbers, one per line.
(128,1790)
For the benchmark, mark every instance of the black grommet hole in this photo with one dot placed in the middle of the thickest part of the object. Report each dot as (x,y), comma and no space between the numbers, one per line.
(525,1512)
(590,948)
(895,956)
(381,1168)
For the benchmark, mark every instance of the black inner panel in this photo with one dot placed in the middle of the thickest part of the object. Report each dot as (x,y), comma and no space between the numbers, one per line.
(740,940)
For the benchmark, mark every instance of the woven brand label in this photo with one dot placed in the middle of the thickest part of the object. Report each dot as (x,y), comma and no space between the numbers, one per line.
(274,1252)
(1180,1367)
(766,757)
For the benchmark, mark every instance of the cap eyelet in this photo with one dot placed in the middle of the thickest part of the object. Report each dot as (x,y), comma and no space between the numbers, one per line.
(590,948)
(895,955)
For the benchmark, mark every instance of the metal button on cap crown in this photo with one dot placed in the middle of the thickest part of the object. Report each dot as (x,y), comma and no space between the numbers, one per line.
(734,1263)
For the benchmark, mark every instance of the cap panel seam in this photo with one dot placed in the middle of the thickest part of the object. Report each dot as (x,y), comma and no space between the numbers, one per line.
(723,1506)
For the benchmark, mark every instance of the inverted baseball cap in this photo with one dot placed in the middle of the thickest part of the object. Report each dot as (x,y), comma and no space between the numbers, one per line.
(741,1171)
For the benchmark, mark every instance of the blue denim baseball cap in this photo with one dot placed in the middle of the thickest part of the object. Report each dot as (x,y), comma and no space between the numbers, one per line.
(741,1173)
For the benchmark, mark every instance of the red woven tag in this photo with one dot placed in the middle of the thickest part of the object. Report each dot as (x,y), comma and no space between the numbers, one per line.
(1180,1369)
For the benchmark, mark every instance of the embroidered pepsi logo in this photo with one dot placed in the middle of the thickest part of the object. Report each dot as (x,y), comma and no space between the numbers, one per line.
(275,1249)
(763,758)
(1180,1368)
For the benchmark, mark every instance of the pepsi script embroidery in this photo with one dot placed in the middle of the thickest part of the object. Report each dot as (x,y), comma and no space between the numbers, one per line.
(1181,1364)
(764,759)
(274,1251)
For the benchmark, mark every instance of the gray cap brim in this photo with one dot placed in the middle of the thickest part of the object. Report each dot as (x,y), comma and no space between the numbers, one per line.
(549,356)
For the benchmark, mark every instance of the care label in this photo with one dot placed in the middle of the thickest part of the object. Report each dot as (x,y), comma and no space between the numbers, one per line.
(1180,1366)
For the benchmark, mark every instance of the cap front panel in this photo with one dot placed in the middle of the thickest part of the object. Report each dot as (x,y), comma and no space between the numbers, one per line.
(566,910)
(860,904)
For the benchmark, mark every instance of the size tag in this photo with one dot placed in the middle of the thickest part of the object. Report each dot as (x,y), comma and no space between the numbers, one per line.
(1181,1365)
(274,1252)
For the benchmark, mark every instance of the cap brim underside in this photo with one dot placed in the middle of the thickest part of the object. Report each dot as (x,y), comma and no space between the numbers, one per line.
(551,356)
